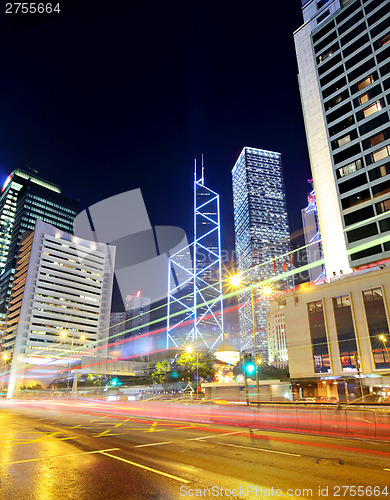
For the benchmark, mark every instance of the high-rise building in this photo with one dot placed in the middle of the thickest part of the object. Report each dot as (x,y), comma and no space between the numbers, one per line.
(261,235)
(60,301)
(25,198)
(276,329)
(343,55)
(311,231)
(138,308)
(130,324)
(195,305)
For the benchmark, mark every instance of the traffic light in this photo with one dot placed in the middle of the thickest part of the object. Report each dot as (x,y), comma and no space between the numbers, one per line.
(249,365)
(115,382)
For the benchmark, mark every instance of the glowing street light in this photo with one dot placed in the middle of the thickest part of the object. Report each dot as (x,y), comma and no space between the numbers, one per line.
(383,339)
(190,350)
(267,291)
(64,335)
(237,282)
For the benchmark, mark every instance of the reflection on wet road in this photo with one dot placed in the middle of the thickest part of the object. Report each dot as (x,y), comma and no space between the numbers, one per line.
(87,450)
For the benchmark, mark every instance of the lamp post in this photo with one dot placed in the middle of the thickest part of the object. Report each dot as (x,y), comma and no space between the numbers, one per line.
(64,335)
(383,339)
(190,350)
(237,282)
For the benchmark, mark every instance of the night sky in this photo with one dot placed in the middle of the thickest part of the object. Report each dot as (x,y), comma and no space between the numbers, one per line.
(109,96)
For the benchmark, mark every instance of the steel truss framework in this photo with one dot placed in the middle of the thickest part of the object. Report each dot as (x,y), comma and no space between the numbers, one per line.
(195,302)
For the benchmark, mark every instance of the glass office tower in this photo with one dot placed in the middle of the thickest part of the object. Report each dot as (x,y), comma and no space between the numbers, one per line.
(261,236)
(24,199)
(343,55)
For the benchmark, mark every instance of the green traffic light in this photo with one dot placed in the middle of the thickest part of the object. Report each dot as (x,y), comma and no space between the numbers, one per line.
(250,368)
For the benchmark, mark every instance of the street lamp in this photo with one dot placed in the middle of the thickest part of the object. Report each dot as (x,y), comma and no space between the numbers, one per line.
(383,339)
(64,335)
(237,282)
(190,350)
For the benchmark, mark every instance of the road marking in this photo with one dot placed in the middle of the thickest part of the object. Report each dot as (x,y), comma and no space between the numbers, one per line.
(261,449)
(102,433)
(387,469)
(153,428)
(152,444)
(121,423)
(362,419)
(106,433)
(35,440)
(146,468)
(13,413)
(209,437)
(75,426)
(57,456)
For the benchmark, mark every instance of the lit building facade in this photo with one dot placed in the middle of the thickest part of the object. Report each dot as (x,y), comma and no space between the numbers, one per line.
(261,235)
(311,231)
(195,303)
(333,329)
(62,285)
(343,55)
(138,308)
(25,198)
(276,330)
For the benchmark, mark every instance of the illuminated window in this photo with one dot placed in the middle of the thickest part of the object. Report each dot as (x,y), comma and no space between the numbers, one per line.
(383,206)
(381,153)
(377,324)
(373,108)
(364,83)
(385,39)
(344,140)
(350,168)
(376,139)
(363,98)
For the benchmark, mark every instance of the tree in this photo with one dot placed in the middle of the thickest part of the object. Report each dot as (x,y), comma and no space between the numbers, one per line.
(161,369)
(193,363)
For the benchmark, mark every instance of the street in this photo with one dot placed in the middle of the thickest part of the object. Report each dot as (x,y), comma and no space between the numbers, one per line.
(90,450)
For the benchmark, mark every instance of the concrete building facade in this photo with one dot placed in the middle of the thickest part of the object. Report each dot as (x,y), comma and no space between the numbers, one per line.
(60,301)
(338,332)
(343,55)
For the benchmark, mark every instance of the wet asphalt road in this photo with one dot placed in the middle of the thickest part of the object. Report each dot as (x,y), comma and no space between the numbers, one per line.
(86,450)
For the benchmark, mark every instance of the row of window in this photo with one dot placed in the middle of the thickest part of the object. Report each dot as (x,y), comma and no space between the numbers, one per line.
(376,321)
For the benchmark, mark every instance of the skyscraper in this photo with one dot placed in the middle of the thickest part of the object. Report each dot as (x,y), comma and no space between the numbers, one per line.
(195,307)
(261,234)
(311,231)
(60,301)
(343,55)
(25,198)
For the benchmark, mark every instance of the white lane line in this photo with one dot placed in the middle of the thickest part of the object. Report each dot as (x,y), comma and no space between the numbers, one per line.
(209,437)
(146,468)
(362,419)
(57,456)
(152,444)
(262,449)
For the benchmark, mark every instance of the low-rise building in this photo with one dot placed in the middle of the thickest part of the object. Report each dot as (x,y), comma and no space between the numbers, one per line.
(338,333)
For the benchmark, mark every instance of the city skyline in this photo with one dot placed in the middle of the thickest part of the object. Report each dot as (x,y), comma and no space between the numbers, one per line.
(97,126)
